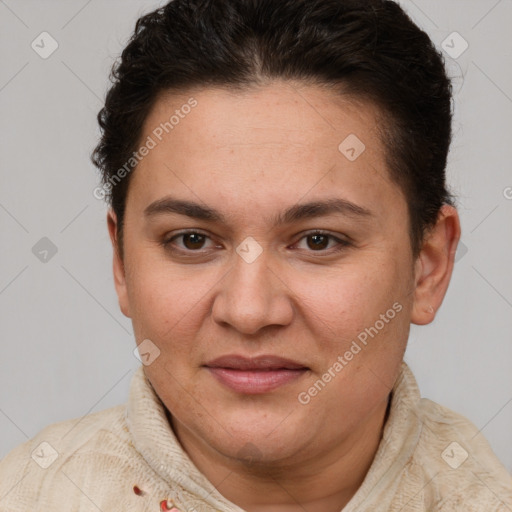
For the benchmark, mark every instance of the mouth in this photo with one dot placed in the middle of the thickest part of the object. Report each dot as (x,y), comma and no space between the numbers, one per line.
(255,375)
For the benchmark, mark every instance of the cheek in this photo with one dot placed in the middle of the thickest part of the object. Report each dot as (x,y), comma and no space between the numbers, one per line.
(349,298)
(164,302)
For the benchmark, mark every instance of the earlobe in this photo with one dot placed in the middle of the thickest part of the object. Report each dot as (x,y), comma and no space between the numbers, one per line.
(118,266)
(434,266)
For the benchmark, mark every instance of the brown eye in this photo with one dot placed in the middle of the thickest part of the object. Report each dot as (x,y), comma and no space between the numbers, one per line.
(319,242)
(193,241)
(322,243)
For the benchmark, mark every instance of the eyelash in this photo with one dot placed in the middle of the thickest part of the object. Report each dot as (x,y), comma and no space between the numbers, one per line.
(342,244)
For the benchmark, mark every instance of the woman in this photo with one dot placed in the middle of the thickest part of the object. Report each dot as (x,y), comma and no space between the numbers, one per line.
(279,217)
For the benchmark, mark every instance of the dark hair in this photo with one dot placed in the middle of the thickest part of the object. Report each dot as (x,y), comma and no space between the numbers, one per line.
(369,50)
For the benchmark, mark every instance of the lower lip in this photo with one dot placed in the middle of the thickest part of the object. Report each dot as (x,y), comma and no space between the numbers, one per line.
(255,382)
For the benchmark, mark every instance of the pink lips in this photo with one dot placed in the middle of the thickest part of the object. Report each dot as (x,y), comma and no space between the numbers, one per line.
(255,375)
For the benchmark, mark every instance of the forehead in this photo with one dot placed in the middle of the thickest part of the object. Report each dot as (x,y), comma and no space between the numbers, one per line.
(277,113)
(274,142)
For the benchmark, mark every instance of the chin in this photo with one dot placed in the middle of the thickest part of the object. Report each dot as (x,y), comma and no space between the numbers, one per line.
(259,440)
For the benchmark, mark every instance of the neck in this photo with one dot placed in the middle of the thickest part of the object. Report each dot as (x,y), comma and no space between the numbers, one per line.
(324,481)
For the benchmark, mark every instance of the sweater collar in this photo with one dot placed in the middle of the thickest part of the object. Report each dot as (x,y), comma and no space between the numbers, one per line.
(155,440)
(400,436)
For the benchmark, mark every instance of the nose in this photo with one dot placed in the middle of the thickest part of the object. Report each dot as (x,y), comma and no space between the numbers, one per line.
(252,296)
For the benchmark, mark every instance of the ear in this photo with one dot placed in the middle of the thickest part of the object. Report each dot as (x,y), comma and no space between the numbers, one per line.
(434,266)
(118,266)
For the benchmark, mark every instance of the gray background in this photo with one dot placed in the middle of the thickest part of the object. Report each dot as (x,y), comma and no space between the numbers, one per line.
(66,348)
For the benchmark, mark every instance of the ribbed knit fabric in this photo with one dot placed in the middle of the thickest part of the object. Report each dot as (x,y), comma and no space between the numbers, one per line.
(127,458)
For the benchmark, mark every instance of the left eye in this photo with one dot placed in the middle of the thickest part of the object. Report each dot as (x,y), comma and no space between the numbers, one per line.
(319,241)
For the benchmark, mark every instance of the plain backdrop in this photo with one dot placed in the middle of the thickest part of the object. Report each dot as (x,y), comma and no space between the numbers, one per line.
(67,350)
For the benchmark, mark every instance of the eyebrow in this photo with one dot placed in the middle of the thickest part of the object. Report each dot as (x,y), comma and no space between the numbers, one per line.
(170,205)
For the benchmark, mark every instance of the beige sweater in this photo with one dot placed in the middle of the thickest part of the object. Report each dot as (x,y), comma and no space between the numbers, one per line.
(127,459)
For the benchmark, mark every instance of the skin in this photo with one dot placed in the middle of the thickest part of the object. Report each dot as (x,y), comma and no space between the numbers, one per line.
(251,155)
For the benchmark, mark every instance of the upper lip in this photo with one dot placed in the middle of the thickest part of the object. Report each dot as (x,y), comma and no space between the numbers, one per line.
(265,362)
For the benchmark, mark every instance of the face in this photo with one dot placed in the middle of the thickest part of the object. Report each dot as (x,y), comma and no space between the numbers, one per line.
(271,268)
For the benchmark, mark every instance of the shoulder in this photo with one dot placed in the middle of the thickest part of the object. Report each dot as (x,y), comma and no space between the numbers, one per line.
(24,470)
(453,456)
